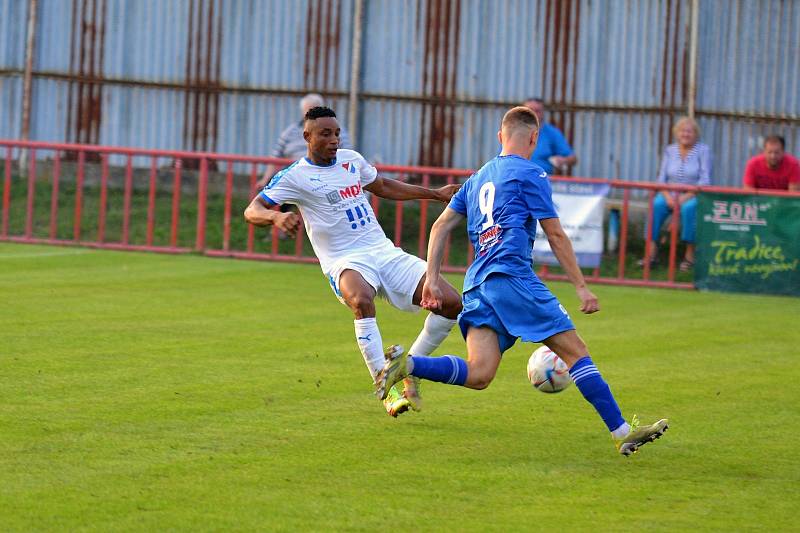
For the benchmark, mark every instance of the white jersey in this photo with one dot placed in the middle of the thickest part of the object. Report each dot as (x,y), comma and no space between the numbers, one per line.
(336,214)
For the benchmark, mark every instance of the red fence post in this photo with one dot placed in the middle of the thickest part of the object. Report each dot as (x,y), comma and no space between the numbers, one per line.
(226,217)
(126,202)
(176,203)
(274,237)
(202,193)
(151,202)
(7,192)
(54,196)
(101,221)
(648,238)
(623,233)
(31,195)
(673,235)
(422,250)
(298,242)
(251,230)
(446,255)
(544,271)
(76,227)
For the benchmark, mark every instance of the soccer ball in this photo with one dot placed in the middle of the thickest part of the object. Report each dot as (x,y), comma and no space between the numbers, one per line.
(547,372)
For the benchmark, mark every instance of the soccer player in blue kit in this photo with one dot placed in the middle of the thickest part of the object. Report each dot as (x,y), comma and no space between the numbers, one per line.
(503,299)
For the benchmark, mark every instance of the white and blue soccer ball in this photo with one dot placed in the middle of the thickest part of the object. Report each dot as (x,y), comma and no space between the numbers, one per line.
(547,372)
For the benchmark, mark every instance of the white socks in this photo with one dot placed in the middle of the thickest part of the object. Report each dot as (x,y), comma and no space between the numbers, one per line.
(370,343)
(434,332)
(621,431)
(368,337)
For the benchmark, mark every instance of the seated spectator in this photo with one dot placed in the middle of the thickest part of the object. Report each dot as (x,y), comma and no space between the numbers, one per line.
(773,168)
(291,144)
(685,162)
(553,153)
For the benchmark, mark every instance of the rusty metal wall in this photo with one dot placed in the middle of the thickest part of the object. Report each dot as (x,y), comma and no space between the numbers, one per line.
(155,74)
(454,67)
(749,87)
(12,33)
(10,107)
(12,59)
(436,75)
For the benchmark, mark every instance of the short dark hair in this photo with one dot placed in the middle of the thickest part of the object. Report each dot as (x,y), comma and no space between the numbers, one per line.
(319,112)
(775,139)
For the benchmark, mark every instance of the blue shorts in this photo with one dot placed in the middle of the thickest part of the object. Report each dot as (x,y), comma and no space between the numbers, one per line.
(515,308)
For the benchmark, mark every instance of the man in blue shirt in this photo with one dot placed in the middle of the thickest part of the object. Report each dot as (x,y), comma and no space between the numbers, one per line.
(503,298)
(553,153)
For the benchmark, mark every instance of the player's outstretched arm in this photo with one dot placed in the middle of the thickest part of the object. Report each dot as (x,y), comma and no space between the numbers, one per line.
(271,170)
(259,213)
(397,190)
(432,295)
(562,249)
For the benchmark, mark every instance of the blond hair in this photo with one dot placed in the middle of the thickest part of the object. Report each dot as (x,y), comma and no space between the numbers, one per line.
(686,120)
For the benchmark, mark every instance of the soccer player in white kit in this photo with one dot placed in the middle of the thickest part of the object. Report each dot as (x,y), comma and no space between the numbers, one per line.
(359,261)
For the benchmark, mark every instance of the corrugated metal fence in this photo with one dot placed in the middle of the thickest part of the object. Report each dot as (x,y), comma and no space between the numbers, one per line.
(433,79)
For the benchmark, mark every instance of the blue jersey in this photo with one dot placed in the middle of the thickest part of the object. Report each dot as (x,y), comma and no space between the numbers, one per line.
(551,142)
(502,203)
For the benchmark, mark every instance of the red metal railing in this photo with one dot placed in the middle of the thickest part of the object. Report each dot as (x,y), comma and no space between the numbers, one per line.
(187,182)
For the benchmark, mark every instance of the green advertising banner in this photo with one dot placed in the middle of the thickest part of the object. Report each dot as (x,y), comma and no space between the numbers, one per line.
(748,243)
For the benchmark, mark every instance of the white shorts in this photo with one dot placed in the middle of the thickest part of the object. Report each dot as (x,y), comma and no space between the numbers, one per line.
(393,273)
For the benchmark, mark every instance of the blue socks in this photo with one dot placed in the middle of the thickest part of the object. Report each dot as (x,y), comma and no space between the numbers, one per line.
(596,391)
(446,369)
(453,370)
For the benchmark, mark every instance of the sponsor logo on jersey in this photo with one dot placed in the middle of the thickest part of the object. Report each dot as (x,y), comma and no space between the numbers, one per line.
(350,192)
(490,236)
(358,215)
(333,197)
(317,184)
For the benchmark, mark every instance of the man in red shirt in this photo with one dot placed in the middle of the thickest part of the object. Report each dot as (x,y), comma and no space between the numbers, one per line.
(773,168)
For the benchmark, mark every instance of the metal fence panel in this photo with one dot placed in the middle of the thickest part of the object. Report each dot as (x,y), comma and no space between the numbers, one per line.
(750,58)
(436,75)
(13,31)
(10,97)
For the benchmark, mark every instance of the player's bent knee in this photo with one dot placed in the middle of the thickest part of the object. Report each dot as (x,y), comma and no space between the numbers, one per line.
(478,378)
(362,304)
(478,383)
(568,346)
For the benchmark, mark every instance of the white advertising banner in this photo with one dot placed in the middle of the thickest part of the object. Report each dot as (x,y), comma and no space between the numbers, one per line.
(580,208)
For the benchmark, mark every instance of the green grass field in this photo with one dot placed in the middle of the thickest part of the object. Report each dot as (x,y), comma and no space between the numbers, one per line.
(143,392)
